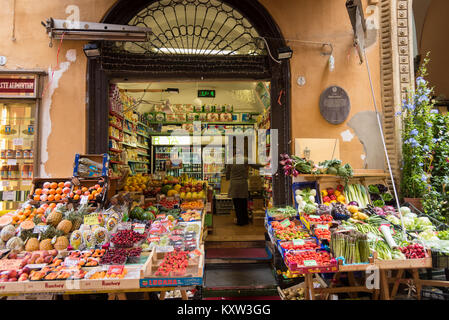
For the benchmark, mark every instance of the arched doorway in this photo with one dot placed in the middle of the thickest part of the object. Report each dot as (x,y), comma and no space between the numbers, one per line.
(222,42)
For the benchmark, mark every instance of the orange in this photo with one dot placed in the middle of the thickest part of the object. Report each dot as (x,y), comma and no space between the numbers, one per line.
(57,197)
(52,191)
(59,191)
(38,191)
(94,193)
(36,198)
(84,189)
(27,212)
(61,185)
(51,197)
(90,197)
(99,190)
(53,185)
(76,197)
(40,210)
(52,205)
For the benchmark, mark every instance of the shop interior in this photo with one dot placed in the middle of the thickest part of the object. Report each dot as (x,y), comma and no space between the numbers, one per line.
(144,122)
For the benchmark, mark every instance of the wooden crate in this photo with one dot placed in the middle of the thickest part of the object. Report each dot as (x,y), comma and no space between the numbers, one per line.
(38,183)
(99,158)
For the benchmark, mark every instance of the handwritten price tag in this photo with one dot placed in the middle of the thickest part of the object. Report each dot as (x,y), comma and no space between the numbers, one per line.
(70,262)
(84,200)
(164,248)
(139,228)
(298,242)
(91,219)
(285,223)
(310,263)
(39,229)
(323,226)
(313,216)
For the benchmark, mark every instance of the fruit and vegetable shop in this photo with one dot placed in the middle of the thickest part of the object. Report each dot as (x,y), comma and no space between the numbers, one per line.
(120,172)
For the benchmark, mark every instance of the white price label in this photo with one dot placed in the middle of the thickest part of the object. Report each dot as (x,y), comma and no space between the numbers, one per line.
(12,162)
(139,228)
(298,242)
(26,182)
(9,195)
(5,183)
(310,263)
(323,226)
(164,249)
(17,142)
(84,199)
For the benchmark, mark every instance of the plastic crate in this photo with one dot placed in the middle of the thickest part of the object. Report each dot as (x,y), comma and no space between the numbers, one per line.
(304,185)
(440,260)
(434,294)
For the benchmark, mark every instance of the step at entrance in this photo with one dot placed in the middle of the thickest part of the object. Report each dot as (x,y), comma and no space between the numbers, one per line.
(239,279)
(238,255)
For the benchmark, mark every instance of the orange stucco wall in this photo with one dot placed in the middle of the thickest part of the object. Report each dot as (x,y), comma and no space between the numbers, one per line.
(314,20)
(434,40)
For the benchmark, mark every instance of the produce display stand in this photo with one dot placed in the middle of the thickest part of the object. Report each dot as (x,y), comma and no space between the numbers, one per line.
(385,267)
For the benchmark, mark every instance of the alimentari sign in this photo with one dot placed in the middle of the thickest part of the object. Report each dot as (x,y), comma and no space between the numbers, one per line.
(17,86)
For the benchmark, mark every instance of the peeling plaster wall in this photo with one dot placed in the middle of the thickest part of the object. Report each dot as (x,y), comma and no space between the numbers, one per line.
(366,128)
(64,110)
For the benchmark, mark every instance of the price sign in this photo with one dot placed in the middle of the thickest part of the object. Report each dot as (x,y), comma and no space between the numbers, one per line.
(305,222)
(17,142)
(139,228)
(39,229)
(285,223)
(153,239)
(313,216)
(5,183)
(12,162)
(9,195)
(84,199)
(310,263)
(322,226)
(298,242)
(116,269)
(71,262)
(164,249)
(124,226)
(91,219)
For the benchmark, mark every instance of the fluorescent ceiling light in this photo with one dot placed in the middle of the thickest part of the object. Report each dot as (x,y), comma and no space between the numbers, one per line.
(194,51)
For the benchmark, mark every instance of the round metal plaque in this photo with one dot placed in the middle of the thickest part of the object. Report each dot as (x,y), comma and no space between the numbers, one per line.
(334,105)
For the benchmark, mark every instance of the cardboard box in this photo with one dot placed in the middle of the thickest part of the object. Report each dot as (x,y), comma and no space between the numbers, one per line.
(224,186)
(258,204)
(258,221)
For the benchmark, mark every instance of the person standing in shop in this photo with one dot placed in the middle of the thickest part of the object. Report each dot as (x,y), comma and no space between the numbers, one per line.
(238,189)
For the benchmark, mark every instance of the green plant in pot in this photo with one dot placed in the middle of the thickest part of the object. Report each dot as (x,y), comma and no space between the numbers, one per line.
(417,140)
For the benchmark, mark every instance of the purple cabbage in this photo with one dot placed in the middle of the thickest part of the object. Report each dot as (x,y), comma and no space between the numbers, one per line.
(379,211)
(353,203)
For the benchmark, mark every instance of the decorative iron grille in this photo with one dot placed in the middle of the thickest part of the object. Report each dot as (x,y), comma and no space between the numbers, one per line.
(195,27)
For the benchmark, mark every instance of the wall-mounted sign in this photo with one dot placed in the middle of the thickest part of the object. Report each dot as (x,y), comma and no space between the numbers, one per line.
(17,86)
(206,93)
(334,105)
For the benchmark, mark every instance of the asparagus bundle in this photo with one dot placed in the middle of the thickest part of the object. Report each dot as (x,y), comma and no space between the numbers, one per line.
(352,246)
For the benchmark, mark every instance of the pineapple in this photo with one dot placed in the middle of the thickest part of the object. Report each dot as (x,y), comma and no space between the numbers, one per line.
(25,234)
(55,217)
(51,232)
(61,243)
(76,218)
(65,226)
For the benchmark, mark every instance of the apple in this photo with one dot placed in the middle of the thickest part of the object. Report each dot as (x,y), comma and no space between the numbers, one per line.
(12,274)
(44,253)
(26,270)
(23,277)
(67,184)
(12,255)
(4,280)
(78,192)
(48,259)
(12,279)
(54,252)
(39,260)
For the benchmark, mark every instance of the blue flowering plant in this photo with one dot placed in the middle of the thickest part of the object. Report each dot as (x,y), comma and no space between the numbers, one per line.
(417,138)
